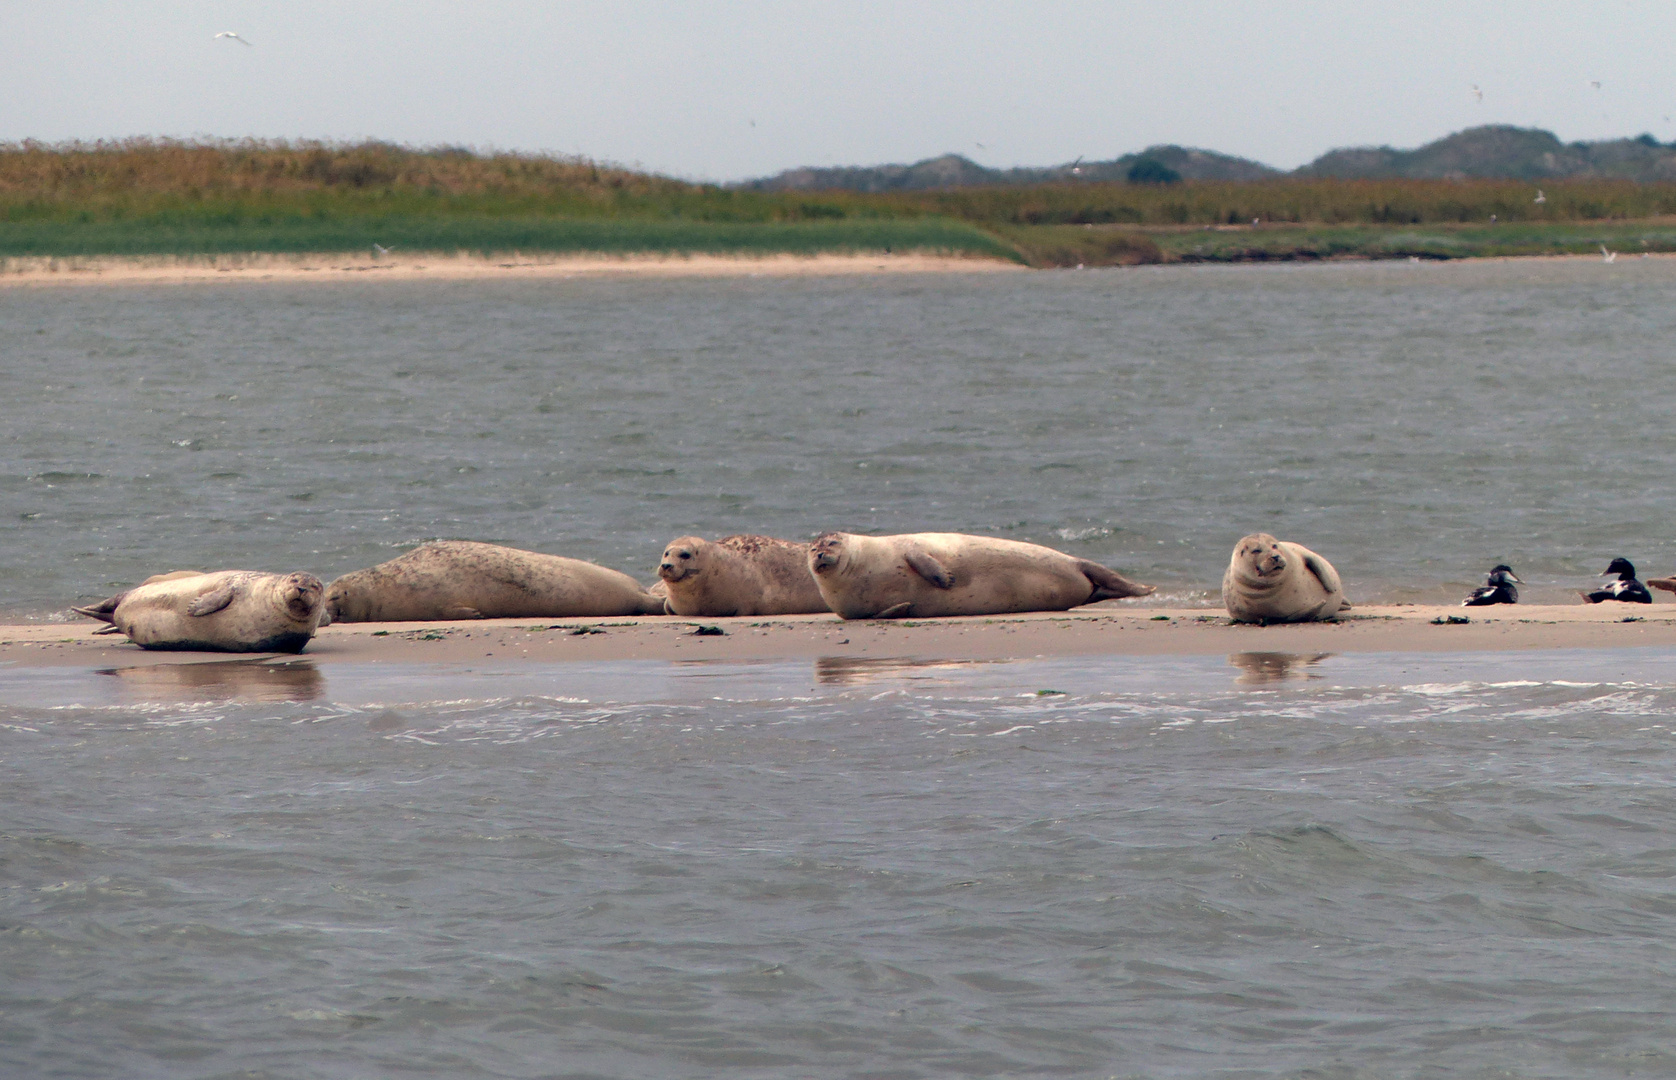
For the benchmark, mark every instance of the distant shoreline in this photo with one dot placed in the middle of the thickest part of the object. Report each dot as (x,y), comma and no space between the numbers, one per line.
(340,267)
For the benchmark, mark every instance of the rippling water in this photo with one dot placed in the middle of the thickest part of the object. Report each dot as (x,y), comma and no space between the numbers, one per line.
(1260,867)
(1416,424)
(1287,866)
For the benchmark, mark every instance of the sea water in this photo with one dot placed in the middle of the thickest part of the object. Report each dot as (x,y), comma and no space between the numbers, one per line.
(1415,424)
(1256,866)
(1262,865)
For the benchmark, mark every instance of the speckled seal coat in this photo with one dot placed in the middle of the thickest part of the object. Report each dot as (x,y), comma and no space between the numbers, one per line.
(463,579)
(1276,581)
(930,574)
(220,611)
(738,575)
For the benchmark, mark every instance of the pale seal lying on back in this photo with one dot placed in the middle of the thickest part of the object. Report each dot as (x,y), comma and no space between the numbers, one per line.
(738,575)
(931,574)
(222,611)
(463,579)
(1275,581)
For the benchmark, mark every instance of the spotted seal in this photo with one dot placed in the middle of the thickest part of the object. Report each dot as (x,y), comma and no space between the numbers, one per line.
(219,611)
(931,574)
(738,575)
(1276,581)
(464,579)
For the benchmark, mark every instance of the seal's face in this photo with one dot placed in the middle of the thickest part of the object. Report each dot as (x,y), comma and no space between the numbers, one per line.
(1259,555)
(826,553)
(680,559)
(302,595)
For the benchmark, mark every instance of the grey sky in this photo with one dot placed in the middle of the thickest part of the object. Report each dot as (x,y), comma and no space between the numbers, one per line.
(677,87)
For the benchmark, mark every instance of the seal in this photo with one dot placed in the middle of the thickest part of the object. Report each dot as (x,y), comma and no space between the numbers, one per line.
(738,575)
(221,611)
(463,579)
(933,574)
(1276,581)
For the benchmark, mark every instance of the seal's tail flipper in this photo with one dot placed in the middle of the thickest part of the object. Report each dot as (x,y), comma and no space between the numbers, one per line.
(1109,584)
(1668,584)
(104,610)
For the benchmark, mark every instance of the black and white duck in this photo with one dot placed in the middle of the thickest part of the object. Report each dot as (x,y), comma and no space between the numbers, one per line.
(1497,588)
(1626,588)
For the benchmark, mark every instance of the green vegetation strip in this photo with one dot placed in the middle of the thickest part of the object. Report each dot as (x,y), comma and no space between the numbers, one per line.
(175,236)
(1293,242)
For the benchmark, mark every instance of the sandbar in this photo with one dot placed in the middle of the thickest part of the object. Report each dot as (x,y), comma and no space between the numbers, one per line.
(1098,630)
(464,266)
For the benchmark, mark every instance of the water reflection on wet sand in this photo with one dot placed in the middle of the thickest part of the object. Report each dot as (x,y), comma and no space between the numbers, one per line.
(1268,668)
(223,680)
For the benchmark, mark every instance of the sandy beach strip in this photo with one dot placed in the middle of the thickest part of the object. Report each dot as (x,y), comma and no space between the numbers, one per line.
(464,266)
(1099,630)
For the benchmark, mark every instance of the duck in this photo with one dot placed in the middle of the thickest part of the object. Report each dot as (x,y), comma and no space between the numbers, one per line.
(1498,588)
(1626,588)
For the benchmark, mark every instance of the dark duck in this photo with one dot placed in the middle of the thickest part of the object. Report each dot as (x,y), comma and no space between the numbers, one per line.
(1626,588)
(1497,589)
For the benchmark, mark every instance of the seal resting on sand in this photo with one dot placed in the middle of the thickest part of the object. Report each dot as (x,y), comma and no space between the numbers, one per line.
(738,575)
(463,579)
(1276,581)
(221,611)
(925,575)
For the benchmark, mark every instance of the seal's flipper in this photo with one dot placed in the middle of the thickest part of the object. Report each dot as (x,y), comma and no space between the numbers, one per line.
(1668,584)
(1324,572)
(107,630)
(1109,584)
(462,612)
(211,602)
(1344,605)
(104,610)
(895,611)
(929,569)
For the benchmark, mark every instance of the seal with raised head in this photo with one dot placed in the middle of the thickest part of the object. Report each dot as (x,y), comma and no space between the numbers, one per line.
(1276,581)
(220,611)
(464,579)
(925,575)
(738,575)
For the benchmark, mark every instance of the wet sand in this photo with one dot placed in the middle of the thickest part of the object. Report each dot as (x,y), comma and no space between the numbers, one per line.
(171,270)
(1099,630)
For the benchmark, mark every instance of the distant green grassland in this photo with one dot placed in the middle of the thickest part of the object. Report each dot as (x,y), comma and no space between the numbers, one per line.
(151,197)
(214,235)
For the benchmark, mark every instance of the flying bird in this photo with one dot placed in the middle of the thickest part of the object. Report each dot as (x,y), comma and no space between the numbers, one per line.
(1595,83)
(380,249)
(1607,256)
(1540,198)
(230,34)
(1477,93)
(1076,166)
